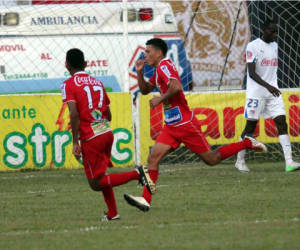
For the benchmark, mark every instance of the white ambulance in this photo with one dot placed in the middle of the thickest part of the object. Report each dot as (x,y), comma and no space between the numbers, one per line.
(35,39)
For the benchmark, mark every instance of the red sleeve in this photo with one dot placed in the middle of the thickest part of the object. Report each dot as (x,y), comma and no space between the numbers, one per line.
(166,72)
(67,92)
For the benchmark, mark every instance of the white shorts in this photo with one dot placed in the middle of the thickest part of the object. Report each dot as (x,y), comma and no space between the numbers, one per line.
(267,108)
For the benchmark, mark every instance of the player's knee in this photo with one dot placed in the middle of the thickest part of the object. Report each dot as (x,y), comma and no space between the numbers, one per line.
(212,160)
(153,159)
(210,163)
(250,128)
(95,187)
(281,125)
(94,184)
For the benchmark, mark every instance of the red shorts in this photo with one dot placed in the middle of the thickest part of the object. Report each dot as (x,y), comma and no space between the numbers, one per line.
(190,134)
(96,154)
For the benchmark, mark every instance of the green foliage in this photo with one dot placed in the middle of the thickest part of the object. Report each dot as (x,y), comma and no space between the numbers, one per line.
(196,207)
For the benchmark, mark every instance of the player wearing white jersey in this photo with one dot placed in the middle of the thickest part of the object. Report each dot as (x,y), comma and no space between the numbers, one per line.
(263,98)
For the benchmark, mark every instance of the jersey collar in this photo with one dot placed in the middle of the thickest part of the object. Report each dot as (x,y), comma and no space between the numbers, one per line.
(80,72)
(164,59)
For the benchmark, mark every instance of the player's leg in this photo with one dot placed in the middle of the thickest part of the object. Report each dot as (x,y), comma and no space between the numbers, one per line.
(248,130)
(116,179)
(285,142)
(212,158)
(275,110)
(158,151)
(96,160)
(252,112)
(195,140)
(164,144)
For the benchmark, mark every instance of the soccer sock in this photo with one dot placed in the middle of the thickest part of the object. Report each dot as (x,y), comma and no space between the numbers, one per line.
(286,147)
(116,179)
(110,201)
(154,176)
(241,154)
(233,148)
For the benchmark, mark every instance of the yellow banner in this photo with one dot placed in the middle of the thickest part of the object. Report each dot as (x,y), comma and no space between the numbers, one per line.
(222,118)
(35,132)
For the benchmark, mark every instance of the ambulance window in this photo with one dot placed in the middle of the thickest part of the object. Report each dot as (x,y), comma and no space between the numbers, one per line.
(131,13)
(11,19)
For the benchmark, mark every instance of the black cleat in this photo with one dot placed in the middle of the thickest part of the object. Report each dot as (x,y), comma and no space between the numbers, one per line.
(145,179)
(106,218)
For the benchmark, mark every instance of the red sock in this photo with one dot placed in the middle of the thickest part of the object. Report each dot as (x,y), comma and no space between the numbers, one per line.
(232,149)
(117,179)
(110,201)
(154,176)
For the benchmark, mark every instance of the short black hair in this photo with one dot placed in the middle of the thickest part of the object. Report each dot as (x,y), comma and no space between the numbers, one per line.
(75,58)
(158,44)
(268,22)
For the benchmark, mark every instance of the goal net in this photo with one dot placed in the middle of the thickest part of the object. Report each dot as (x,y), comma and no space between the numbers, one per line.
(206,41)
(215,35)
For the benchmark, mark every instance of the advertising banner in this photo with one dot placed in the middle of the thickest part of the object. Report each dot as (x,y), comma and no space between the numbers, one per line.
(222,119)
(35,132)
(207,28)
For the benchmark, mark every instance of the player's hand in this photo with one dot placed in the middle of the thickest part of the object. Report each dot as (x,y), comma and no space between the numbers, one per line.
(274,91)
(139,65)
(76,151)
(155,101)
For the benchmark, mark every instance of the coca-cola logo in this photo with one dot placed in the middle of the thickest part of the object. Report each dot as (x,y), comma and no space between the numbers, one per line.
(269,62)
(86,80)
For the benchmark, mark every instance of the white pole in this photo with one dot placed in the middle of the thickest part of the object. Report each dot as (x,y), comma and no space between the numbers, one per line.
(125,44)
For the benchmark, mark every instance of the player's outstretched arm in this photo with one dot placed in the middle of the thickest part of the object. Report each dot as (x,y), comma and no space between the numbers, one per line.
(144,86)
(252,73)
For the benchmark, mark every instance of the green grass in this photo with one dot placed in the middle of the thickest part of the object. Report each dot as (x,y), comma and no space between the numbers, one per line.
(196,207)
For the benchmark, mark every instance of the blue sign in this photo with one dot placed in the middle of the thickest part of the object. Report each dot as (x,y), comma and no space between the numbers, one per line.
(175,55)
(17,86)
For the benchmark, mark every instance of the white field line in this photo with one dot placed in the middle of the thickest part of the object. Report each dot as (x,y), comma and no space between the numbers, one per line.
(41,175)
(40,191)
(104,226)
(12,195)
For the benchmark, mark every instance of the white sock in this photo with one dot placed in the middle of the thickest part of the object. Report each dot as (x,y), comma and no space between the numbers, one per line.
(287,148)
(241,154)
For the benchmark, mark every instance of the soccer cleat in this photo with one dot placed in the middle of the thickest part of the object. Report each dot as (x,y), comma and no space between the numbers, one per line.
(292,167)
(106,218)
(145,179)
(242,167)
(138,202)
(256,145)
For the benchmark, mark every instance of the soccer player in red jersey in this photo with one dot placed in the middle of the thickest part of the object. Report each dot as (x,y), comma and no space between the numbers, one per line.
(181,125)
(90,115)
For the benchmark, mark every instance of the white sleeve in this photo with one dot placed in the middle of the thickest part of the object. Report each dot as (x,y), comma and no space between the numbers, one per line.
(251,54)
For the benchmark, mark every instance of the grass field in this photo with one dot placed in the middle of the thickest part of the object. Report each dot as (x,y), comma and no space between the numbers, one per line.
(196,207)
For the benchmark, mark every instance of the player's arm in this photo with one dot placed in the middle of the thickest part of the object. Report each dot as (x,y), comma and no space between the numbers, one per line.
(145,87)
(107,102)
(251,69)
(174,88)
(108,113)
(75,121)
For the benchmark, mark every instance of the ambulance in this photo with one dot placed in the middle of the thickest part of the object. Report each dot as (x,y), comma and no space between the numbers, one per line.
(35,39)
